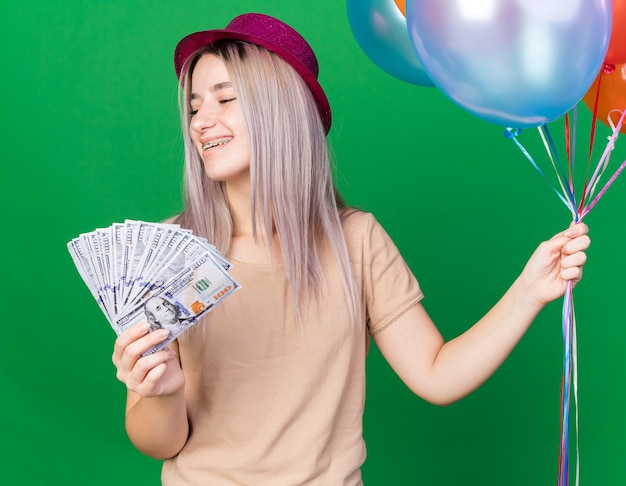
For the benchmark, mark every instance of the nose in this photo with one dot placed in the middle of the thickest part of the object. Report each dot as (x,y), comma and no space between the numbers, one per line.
(203,118)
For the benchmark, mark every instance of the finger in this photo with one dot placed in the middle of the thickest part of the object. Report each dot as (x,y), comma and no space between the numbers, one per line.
(152,384)
(563,240)
(572,273)
(576,229)
(554,245)
(143,375)
(135,349)
(125,338)
(577,259)
(578,244)
(573,231)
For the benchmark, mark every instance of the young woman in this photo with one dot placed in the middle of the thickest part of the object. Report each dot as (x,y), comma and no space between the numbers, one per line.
(270,387)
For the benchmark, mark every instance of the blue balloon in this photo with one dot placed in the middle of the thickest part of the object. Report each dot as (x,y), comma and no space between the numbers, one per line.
(516,63)
(381,31)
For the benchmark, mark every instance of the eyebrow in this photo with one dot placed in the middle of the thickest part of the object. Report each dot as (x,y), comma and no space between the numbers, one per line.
(214,88)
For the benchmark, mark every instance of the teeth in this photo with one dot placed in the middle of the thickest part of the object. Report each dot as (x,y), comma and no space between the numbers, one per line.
(214,143)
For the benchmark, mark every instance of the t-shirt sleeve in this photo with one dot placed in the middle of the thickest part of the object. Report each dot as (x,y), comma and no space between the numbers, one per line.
(390,287)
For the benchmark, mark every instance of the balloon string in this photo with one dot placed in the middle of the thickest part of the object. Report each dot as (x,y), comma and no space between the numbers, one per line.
(512,133)
(569,153)
(594,118)
(563,476)
(572,137)
(550,148)
(575,387)
(604,189)
(569,389)
(570,148)
(602,165)
(592,136)
(569,381)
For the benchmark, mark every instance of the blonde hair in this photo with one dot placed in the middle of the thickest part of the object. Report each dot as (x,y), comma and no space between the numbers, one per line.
(292,191)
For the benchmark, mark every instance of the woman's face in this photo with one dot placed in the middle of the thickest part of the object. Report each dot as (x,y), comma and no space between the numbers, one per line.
(218,128)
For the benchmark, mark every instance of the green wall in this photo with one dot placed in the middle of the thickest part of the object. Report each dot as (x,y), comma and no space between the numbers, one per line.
(90,136)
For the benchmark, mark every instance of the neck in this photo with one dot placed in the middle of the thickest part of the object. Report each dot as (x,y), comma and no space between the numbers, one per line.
(240,209)
(243,246)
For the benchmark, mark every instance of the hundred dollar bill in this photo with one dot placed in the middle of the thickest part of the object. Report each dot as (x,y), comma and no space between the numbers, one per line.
(117,245)
(182,301)
(85,270)
(142,235)
(216,254)
(181,251)
(130,240)
(90,244)
(103,237)
(156,272)
(149,239)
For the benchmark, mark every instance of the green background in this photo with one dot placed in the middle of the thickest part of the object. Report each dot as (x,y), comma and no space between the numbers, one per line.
(90,136)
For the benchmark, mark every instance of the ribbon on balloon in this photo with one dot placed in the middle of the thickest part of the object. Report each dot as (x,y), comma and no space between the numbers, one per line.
(579,207)
(607,101)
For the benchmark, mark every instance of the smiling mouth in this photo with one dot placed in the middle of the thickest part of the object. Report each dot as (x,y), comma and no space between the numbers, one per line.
(214,143)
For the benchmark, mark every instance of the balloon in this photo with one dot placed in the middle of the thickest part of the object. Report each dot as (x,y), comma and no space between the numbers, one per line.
(517,63)
(611,96)
(616,54)
(380,30)
(401,5)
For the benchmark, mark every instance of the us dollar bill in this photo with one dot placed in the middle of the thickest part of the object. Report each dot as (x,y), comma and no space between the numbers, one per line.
(138,270)
(182,301)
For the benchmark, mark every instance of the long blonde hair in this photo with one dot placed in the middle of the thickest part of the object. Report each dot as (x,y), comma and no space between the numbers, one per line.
(292,190)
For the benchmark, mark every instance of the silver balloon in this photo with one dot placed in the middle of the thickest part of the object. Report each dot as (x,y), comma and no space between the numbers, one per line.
(517,63)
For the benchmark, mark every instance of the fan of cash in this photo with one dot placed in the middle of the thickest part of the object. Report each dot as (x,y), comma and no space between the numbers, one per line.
(159,273)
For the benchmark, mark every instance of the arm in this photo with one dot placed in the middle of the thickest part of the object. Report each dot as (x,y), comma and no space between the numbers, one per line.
(443,372)
(156,411)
